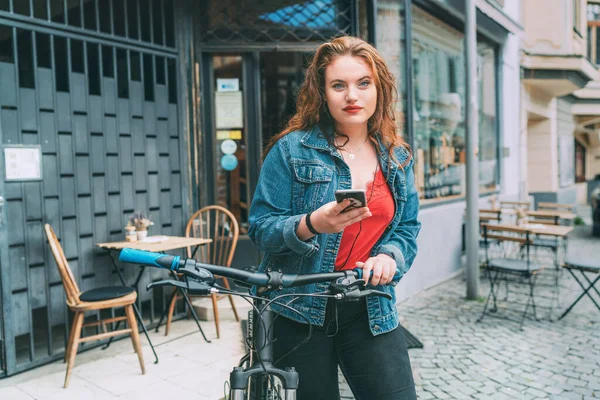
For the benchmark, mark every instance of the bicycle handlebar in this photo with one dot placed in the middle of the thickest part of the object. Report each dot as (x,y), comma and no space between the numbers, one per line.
(269,279)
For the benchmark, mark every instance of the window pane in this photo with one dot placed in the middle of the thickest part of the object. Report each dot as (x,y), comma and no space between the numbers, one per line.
(43,50)
(438,109)
(74,13)
(57,11)
(488,138)
(6,44)
(93,62)
(77,64)
(391,44)
(40,9)
(21,7)
(25,54)
(132,18)
(122,74)
(89,14)
(119,17)
(61,64)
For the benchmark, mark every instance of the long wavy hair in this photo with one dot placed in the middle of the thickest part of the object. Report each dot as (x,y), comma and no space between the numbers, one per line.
(311,108)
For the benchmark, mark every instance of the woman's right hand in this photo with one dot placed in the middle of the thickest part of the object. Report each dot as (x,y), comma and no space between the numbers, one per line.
(329,218)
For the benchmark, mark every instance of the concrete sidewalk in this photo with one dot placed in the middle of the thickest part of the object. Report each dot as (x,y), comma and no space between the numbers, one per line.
(461,359)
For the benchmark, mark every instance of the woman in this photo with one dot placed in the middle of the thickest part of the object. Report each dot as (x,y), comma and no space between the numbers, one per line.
(343,136)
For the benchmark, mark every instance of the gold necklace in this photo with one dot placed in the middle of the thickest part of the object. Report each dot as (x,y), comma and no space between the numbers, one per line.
(351,154)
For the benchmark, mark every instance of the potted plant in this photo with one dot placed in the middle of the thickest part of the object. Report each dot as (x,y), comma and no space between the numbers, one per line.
(141,224)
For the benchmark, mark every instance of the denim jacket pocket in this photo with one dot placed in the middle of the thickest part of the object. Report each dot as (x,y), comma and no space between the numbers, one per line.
(311,181)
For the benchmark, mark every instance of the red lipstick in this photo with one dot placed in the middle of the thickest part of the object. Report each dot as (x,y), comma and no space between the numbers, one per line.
(352,109)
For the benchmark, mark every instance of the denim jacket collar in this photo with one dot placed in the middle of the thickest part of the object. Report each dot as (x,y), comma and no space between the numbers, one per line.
(316,139)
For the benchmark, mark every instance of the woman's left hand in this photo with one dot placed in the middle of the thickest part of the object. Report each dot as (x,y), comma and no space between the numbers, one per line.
(383,267)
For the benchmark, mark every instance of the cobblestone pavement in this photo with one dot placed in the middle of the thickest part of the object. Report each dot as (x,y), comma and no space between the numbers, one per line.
(493,359)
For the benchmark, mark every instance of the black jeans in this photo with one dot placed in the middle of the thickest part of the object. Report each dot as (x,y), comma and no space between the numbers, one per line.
(376,367)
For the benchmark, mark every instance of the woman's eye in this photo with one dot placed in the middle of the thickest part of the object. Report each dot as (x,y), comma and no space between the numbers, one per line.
(364,84)
(338,86)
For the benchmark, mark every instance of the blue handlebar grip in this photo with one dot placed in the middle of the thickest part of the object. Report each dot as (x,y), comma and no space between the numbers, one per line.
(149,258)
(359,272)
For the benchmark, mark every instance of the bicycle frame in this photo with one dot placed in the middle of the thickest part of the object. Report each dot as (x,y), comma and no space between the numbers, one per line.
(262,340)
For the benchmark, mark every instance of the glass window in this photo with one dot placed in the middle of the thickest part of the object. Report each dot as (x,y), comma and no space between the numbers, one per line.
(488,137)
(593,33)
(439,110)
(391,44)
(579,162)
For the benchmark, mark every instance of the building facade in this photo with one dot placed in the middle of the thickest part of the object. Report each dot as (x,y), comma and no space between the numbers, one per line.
(561,99)
(165,106)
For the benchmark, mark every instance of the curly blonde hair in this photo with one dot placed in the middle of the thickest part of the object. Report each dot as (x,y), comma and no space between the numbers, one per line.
(312,109)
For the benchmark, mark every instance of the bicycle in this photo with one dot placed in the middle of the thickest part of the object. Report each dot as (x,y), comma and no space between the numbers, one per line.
(253,377)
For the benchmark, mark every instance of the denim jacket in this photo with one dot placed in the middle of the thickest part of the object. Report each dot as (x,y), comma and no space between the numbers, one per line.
(300,174)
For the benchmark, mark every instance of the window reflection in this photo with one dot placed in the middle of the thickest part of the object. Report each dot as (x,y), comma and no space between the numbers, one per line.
(439,110)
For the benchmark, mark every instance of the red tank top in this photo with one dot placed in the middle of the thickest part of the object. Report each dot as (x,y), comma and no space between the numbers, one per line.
(382,207)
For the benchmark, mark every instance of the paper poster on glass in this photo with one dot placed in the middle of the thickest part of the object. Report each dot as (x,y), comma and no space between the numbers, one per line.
(23,163)
(229,112)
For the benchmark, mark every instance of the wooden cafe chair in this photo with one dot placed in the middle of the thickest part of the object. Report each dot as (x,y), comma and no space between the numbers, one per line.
(93,300)
(219,224)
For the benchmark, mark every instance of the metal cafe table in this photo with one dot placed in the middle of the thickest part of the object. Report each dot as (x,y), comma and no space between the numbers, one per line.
(158,244)
(583,266)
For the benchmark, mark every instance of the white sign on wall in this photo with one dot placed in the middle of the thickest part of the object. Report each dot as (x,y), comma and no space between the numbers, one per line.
(23,163)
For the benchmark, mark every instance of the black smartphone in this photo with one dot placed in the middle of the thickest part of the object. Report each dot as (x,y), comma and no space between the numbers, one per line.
(357,198)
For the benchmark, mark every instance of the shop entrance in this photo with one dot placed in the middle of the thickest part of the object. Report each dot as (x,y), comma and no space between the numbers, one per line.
(249,97)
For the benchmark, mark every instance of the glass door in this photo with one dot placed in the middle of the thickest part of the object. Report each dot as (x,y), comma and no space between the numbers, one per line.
(252,96)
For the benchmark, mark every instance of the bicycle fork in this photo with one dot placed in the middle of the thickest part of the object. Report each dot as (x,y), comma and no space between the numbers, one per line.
(263,350)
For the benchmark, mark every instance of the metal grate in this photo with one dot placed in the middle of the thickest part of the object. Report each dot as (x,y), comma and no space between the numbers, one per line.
(259,21)
(145,21)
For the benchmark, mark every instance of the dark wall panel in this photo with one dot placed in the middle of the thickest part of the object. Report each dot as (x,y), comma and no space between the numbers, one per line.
(95,114)
(38,287)
(50,174)
(10,126)
(29,110)
(8,87)
(14,214)
(33,200)
(18,269)
(84,215)
(21,313)
(110,146)
(82,174)
(35,243)
(67,196)
(65,146)
(111,135)
(99,195)
(63,111)
(80,133)
(47,132)
(78,92)
(46,88)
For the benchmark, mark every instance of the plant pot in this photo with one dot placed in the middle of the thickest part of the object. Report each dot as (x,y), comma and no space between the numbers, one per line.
(141,234)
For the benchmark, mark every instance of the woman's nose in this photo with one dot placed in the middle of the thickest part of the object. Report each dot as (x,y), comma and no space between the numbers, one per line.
(351,95)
